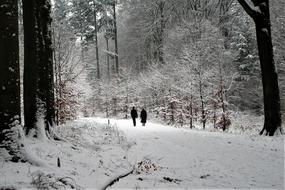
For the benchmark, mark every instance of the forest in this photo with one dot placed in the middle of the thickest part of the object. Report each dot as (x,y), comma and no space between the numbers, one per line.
(206,65)
(185,62)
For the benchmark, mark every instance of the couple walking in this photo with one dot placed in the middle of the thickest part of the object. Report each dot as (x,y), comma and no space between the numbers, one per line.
(134,115)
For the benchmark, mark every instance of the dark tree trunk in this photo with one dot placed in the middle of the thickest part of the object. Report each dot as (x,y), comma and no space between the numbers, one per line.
(30,64)
(38,70)
(59,83)
(191,111)
(215,114)
(108,58)
(161,32)
(272,112)
(42,66)
(116,39)
(10,116)
(115,106)
(222,94)
(172,117)
(96,42)
(203,114)
(127,107)
(48,62)
(269,79)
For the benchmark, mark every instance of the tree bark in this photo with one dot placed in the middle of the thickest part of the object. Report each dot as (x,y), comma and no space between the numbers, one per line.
(108,58)
(222,93)
(271,96)
(96,42)
(38,69)
(161,32)
(30,64)
(116,39)
(203,114)
(10,116)
(56,84)
(191,111)
(48,62)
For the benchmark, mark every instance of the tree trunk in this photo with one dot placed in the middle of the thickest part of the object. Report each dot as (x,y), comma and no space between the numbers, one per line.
(191,111)
(272,110)
(10,116)
(38,70)
(96,42)
(127,102)
(172,117)
(48,62)
(60,86)
(115,106)
(107,105)
(108,58)
(56,84)
(116,39)
(215,114)
(161,32)
(269,79)
(222,93)
(203,115)
(30,64)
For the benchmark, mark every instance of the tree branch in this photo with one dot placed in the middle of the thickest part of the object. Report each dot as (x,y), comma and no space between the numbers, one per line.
(248,9)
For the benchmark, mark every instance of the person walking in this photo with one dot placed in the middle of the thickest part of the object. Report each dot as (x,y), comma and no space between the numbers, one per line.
(143,117)
(134,115)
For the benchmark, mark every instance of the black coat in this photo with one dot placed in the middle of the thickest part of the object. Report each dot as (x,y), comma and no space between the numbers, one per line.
(134,113)
(143,116)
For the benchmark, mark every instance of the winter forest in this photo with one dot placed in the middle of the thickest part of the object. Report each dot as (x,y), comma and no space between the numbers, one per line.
(209,73)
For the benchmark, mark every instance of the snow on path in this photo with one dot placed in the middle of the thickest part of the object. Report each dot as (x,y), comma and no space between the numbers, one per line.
(198,159)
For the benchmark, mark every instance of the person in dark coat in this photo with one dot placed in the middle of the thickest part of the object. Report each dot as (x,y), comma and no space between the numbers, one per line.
(134,115)
(143,116)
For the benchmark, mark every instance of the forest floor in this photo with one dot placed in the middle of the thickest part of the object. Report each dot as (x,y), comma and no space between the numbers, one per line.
(156,156)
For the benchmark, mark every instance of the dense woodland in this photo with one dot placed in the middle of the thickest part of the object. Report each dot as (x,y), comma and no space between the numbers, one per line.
(187,62)
(184,61)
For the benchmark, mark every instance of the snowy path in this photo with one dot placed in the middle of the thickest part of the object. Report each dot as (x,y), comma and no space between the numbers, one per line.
(96,153)
(202,159)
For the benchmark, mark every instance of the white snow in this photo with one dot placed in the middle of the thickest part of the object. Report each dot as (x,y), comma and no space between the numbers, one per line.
(203,159)
(161,156)
(11,69)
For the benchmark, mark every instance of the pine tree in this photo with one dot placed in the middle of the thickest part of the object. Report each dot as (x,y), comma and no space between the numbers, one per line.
(86,23)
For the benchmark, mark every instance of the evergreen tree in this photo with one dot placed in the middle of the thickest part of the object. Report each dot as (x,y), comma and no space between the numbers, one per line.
(86,24)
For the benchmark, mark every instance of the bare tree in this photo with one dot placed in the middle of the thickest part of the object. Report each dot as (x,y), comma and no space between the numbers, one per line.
(258,10)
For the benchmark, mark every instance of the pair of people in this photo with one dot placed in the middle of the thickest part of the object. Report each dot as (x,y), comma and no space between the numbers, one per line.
(143,116)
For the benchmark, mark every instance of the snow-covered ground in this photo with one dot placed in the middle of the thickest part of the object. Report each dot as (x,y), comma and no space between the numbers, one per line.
(160,156)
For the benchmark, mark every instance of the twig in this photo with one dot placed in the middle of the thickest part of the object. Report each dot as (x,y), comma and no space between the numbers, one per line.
(116,179)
